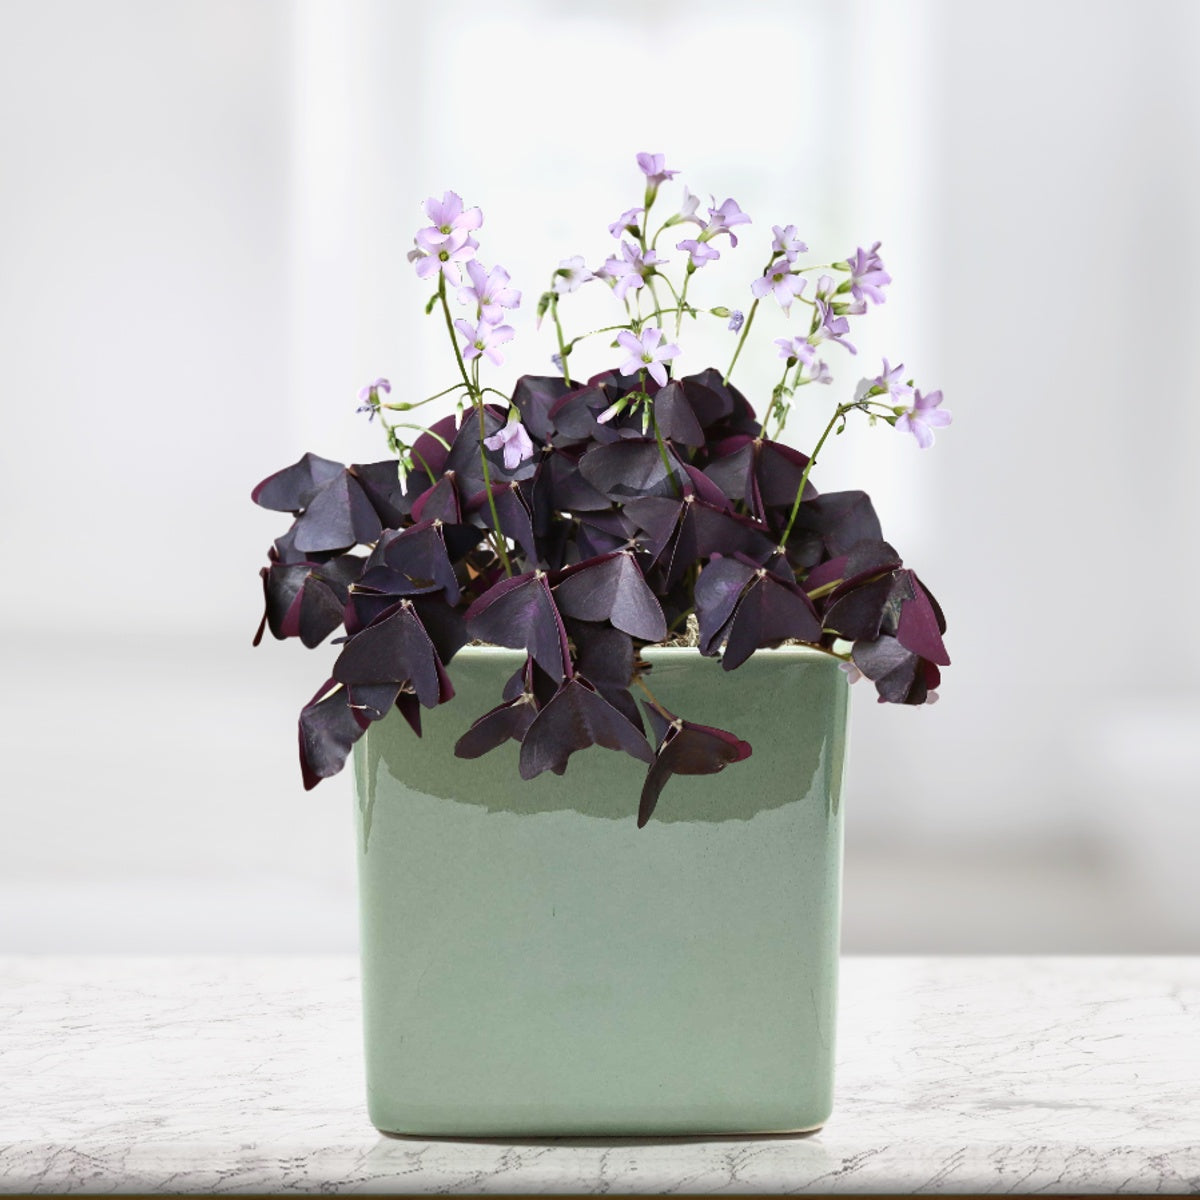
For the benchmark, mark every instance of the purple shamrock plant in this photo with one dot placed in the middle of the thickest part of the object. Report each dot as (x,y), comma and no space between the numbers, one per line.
(580,522)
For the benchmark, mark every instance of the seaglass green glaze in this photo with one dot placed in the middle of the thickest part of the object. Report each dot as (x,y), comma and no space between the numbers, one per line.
(536,965)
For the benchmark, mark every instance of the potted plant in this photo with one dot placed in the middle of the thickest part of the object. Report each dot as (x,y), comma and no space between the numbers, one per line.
(632,563)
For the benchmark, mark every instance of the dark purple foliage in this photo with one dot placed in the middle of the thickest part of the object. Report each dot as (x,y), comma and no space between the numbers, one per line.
(684,748)
(616,532)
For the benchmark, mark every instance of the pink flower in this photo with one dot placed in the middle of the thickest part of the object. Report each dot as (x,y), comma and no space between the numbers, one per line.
(646,354)
(654,168)
(483,339)
(626,223)
(515,443)
(457,247)
(787,243)
(448,217)
(490,291)
(631,269)
(723,219)
(923,417)
(698,252)
(571,275)
(778,281)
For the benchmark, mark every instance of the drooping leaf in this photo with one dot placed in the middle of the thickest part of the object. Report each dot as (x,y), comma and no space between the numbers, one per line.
(770,612)
(395,650)
(520,612)
(328,729)
(917,629)
(895,671)
(612,588)
(577,717)
(685,748)
(506,721)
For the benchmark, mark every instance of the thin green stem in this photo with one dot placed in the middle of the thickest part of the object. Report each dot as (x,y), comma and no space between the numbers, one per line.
(562,349)
(742,339)
(838,415)
(477,402)
(404,405)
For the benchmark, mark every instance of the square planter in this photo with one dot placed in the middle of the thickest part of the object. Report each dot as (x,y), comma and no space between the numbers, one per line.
(536,965)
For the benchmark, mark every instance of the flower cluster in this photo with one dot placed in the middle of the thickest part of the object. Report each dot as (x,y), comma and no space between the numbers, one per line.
(582,521)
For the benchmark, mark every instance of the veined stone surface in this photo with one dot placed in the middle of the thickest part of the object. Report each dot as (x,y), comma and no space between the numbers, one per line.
(245,1075)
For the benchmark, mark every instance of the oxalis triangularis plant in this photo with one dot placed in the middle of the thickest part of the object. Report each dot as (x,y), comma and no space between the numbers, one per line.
(582,521)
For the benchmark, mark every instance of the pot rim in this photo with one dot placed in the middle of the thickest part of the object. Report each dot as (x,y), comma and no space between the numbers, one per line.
(651,652)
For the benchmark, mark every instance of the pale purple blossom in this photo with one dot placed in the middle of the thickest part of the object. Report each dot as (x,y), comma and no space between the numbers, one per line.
(457,248)
(627,222)
(867,276)
(932,698)
(780,282)
(490,291)
(795,347)
(371,390)
(833,328)
(653,166)
(787,243)
(723,219)
(891,380)
(923,417)
(483,339)
(698,252)
(853,674)
(571,275)
(631,269)
(557,360)
(515,443)
(448,216)
(369,396)
(735,319)
(817,372)
(646,353)
(687,210)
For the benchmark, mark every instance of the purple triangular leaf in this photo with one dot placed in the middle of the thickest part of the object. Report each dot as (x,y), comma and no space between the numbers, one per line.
(396,650)
(440,502)
(769,612)
(917,630)
(534,397)
(632,468)
(520,612)
(381,483)
(577,717)
(506,721)
(293,488)
(612,589)
(674,416)
(685,748)
(718,590)
(337,517)
(328,729)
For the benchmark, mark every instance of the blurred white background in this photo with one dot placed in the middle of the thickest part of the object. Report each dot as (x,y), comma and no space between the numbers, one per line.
(204,211)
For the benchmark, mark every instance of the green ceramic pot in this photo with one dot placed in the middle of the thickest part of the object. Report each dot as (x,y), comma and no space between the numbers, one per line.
(536,965)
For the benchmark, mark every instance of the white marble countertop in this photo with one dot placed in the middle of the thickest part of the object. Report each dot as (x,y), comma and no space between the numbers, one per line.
(244,1075)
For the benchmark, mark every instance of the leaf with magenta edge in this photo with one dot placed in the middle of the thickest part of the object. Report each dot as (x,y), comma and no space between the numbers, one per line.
(577,717)
(328,728)
(520,612)
(612,588)
(292,489)
(685,748)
